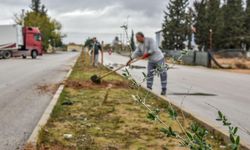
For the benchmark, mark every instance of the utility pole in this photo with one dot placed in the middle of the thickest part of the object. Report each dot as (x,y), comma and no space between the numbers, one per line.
(121,41)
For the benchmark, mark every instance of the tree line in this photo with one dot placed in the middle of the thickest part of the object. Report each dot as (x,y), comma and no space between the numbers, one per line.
(214,24)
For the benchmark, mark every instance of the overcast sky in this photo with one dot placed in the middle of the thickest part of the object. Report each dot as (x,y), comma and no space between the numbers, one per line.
(100,18)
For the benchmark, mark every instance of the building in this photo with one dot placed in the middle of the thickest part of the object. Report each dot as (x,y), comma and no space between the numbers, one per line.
(74,47)
(159,39)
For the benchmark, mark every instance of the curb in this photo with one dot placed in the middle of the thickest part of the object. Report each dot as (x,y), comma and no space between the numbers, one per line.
(211,127)
(32,140)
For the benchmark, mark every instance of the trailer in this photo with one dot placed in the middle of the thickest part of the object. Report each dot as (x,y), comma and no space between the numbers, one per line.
(16,40)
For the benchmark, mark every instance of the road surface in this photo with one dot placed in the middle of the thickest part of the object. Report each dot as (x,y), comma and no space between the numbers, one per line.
(25,94)
(202,91)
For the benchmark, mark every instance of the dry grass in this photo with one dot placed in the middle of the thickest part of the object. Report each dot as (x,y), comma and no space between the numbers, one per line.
(235,63)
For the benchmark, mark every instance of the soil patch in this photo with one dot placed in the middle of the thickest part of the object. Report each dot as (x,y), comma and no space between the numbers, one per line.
(90,85)
(47,88)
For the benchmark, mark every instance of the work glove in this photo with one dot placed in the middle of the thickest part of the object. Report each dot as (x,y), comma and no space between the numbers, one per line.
(146,55)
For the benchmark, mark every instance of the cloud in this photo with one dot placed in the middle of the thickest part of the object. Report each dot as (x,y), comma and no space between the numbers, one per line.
(101,18)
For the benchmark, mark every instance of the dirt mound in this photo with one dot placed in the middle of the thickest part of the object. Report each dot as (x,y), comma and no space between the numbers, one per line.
(91,85)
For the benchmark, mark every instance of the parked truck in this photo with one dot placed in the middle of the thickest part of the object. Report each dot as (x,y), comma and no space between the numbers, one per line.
(16,40)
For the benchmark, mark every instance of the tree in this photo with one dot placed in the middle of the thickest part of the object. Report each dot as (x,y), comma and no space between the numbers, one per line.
(208,20)
(201,24)
(233,24)
(215,23)
(247,24)
(189,23)
(18,18)
(174,26)
(44,10)
(132,41)
(50,28)
(43,23)
(247,15)
(36,6)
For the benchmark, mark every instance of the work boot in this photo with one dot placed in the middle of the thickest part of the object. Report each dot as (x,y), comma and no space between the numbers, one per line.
(164,92)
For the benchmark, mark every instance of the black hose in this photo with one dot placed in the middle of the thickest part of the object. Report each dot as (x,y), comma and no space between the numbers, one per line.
(211,57)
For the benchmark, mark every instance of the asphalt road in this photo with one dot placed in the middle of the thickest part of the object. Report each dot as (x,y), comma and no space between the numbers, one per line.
(202,91)
(25,93)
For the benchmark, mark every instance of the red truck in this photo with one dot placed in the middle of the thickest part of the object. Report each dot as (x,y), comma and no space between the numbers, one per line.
(16,40)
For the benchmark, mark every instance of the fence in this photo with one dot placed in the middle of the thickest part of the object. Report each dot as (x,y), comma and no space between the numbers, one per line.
(192,57)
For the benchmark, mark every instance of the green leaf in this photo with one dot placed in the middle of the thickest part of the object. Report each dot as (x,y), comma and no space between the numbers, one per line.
(234,147)
(218,119)
(202,132)
(232,138)
(164,130)
(124,74)
(238,140)
(152,116)
(169,132)
(235,130)
(127,71)
(194,127)
(172,132)
(189,135)
(226,123)
(220,114)
(172,113)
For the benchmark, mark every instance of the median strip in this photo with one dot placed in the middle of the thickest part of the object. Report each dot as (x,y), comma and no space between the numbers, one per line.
(105,116)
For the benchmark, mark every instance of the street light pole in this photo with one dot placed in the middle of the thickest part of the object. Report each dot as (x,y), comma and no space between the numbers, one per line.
(22,17)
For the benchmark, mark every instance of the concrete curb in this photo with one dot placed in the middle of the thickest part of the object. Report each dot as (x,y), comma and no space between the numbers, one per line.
(46,115)
(216,130)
